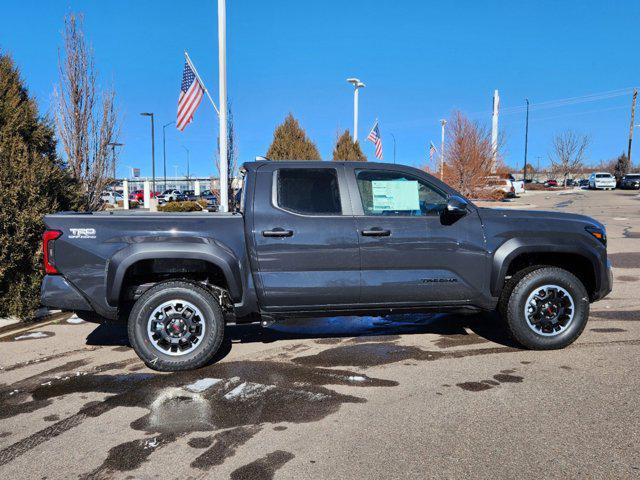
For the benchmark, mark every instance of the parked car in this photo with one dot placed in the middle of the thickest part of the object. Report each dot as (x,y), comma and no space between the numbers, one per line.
(630,181)
(111,197)
(602,180)
(171,195)
(211,199)
(503,185)
(324,238)
(583,182)
(190,195)
(551,183)
(138,195)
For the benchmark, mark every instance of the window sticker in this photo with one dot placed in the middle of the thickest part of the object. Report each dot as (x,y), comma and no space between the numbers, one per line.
(395,195)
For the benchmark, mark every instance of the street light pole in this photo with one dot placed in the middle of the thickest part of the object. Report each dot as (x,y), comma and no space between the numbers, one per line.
(526,141)
(222,77)
(357,85)
(188,186)
(153,152)
(113,146)
(394,147)
(443,122)
(164,152)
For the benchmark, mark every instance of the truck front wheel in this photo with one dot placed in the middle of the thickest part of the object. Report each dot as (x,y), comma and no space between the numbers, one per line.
(176,325)
(548,308)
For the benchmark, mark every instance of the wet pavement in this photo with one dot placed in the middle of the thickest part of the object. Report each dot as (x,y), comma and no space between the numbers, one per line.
(403,396)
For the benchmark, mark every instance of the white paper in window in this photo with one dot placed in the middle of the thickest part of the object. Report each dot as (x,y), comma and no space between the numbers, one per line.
(395,195)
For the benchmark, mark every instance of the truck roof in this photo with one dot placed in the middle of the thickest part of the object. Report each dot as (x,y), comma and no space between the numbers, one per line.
(312,163)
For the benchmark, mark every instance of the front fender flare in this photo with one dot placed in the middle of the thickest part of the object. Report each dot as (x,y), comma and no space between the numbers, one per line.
(514,247)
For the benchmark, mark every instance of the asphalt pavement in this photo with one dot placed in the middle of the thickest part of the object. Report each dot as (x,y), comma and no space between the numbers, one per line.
(405,396)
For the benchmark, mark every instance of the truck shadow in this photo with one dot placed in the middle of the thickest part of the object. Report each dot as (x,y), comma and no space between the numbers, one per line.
(453,329)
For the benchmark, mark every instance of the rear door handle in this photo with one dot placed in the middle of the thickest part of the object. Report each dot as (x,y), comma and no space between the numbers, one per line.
(376,232)
(277,232)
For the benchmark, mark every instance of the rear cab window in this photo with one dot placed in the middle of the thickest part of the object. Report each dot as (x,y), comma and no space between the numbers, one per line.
(308,191)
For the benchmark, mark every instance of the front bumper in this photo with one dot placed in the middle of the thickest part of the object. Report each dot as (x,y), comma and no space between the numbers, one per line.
(606,283)
(56,292)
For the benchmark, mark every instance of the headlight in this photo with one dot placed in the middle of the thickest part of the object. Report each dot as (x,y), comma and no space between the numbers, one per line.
(598,233)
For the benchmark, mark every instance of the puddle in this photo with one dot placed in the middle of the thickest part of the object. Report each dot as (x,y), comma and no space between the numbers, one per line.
(608,330)
(629,234)
(264,468)
(626,278)
(374,354)
(505,376)
(625,259)
(449,341)
(222,396)
(622,315)
(224,445)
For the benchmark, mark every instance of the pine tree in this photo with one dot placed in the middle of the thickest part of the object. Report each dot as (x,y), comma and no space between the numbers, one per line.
(348,150)
(622,166)
(33,183)
(290,142)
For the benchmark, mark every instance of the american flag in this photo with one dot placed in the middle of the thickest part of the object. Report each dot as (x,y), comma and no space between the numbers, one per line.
(191,92)
(374,136)
(432,151)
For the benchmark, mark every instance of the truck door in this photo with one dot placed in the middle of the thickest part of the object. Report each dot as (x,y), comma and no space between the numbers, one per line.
(408,255)
(305,240)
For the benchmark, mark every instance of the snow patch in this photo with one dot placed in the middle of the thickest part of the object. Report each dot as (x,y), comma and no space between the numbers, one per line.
(202,384)
(151,443)
(74,319)
(620,219)
(248,390)
(356,378)
(31,335)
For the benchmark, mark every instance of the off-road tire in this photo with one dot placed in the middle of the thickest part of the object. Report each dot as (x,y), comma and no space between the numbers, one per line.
(167,291)
(512,308)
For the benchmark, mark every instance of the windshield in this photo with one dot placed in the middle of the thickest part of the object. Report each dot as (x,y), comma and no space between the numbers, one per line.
(603,175)
(633,176)
(167,191)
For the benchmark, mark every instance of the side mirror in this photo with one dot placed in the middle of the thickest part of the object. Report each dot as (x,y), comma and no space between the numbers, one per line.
(454,210)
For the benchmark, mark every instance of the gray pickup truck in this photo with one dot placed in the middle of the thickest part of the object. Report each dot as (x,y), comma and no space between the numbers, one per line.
(324,238)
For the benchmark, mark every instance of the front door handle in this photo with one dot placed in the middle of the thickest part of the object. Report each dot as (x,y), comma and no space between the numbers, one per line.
(376,232)
(277,232)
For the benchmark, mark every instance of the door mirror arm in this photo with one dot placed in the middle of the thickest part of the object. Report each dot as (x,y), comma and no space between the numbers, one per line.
(454,210)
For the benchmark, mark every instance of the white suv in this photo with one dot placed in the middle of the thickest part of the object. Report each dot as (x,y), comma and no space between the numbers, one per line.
(602,180)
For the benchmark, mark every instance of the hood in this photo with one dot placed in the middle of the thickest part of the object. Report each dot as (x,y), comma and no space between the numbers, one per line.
(535,216)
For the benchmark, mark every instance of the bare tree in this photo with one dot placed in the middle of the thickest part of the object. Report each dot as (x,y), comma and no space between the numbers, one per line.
(86,119)
(232,154)
(468,156)
(567,157)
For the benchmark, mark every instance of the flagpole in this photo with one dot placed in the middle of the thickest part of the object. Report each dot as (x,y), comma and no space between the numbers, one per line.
(222,84)
(186,55)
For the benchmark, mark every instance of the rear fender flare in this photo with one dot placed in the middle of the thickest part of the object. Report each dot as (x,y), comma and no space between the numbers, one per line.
(217,255)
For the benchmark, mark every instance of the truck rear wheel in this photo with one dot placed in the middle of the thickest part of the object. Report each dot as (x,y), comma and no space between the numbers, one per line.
(176,325)
(548,308)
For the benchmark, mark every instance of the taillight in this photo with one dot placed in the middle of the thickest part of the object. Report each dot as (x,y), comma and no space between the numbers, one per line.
(48,240)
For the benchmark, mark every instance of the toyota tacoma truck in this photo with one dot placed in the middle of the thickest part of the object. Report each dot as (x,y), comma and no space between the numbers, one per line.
(324,238)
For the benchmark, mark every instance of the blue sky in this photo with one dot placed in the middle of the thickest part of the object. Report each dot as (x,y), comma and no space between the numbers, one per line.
(419,59)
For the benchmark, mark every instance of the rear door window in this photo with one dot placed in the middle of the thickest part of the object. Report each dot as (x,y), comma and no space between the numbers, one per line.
(309,191)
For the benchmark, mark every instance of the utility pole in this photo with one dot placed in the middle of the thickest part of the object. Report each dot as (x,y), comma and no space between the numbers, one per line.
(164,151)
(222,78)
(633,115)
(394,147)
(526,141)
(494,130)
(113,146)
(153,152)
(443,122)
(357,85)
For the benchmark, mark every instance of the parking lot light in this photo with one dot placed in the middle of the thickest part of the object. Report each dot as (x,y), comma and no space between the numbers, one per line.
(357,85)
